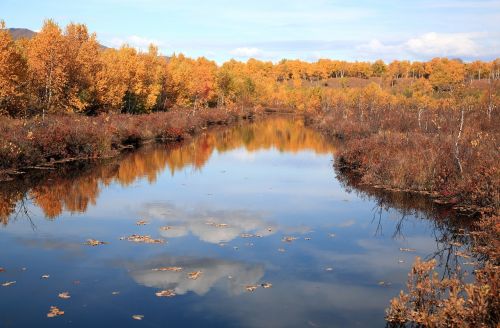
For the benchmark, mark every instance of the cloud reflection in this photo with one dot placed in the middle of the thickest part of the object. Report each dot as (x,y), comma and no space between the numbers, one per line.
(212,226)
(231,276)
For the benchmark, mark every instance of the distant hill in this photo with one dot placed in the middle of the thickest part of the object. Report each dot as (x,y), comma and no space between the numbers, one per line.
(20,33)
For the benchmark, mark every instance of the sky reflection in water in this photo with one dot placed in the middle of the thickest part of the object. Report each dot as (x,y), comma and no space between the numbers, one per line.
(272,179)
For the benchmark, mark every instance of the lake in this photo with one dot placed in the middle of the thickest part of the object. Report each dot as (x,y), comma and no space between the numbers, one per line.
(248,225)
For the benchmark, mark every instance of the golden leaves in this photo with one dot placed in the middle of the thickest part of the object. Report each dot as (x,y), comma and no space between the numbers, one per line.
(166,293)
(194,275)
(54,312)
(94,242)
(64,295)
(251,288)
(143,239)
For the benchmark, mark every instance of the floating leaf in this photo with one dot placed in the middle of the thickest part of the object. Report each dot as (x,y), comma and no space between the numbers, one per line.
(194,275)
(288,239)
(64,295)
(165,228)
(222,225)
(143,239)
(266,285)
(175,269)
(251,288)
(383,283)
(54,312)
(142,222)
(94,242)
(166,293)
(137,317)
(8,283)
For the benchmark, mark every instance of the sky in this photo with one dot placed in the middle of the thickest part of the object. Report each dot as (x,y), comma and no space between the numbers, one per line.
(277,29)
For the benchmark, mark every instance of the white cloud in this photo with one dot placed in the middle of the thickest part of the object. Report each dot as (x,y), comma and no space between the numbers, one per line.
(432,44)
(437,44)
(246,52)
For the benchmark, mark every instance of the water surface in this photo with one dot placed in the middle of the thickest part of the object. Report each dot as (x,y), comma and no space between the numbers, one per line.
(224,204)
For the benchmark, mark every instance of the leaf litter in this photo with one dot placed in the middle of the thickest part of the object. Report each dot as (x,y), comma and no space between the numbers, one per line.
(194,275)
(146,239)
(54,312)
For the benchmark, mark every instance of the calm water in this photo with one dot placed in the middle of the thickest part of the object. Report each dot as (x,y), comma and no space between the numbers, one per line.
(271,179)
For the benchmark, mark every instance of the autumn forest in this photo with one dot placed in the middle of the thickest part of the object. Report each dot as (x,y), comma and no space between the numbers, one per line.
(427,128)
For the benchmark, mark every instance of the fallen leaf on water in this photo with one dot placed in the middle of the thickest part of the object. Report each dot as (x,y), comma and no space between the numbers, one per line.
(407,249)
(383,283)
(45,276)
(64,295)
(165,228)
(143,239)
(194,275)
(251,288)
(166,293)
(246,235)
(94,242)
(54,312)
(2,269)
(142,222)
(288,239)
(222,225)
(137,317)
(8,283)
(266,285)
(163,269)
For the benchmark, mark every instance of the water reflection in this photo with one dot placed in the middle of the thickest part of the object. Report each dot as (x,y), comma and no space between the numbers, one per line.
(244,188)
(232,276)
(208,225)
(74,187)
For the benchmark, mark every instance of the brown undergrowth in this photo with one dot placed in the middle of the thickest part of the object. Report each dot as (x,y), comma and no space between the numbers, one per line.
(35,142)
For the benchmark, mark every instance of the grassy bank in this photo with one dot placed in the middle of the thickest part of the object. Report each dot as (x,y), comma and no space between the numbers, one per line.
(35,142)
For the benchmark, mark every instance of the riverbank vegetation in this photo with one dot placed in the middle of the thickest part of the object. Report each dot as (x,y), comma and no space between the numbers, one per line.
(428,127)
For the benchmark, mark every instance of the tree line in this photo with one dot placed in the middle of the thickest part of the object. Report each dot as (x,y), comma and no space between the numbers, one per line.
(61,71)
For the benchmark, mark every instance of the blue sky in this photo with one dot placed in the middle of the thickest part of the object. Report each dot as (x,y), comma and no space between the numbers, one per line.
(276,29)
